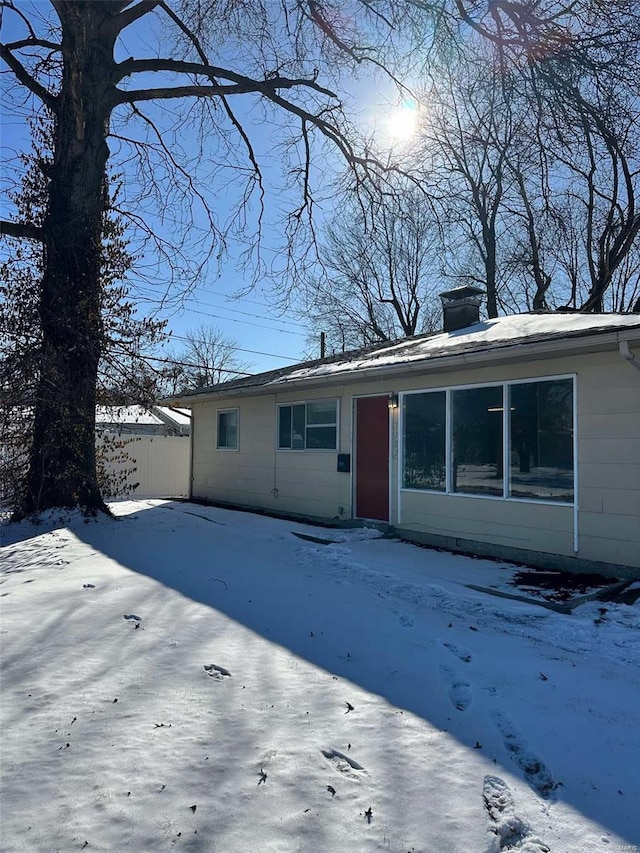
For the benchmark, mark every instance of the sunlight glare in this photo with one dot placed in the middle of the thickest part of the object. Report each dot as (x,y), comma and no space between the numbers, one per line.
(403,121)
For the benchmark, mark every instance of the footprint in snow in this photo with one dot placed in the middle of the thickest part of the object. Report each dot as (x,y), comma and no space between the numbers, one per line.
(534,770)
(462,654)
(459,689)
(131,617)
(511,832)
(343,764)
(217,672)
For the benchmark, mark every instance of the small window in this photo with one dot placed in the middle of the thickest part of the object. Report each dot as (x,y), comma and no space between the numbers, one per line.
(308,426)
(227,429)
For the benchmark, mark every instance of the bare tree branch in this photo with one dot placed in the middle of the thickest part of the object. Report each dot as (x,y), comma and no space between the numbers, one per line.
(243,84)
(21,230)
(132,14)
(23,77)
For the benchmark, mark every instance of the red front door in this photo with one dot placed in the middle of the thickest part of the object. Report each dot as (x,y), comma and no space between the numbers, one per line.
(372,458)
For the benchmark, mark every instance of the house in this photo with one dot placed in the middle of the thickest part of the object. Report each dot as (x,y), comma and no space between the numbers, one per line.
(142,420)
(517,437)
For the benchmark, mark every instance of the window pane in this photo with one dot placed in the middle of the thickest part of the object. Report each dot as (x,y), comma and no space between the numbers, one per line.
(228,430)
(424,441)
(542,440)
(284,426)
(297,441)
(321,438)
(477,441)
(321,412)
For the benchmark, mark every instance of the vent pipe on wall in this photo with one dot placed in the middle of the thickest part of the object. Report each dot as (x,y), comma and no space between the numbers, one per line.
(461,307)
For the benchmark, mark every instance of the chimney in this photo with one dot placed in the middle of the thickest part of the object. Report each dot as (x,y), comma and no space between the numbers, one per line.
(461,307)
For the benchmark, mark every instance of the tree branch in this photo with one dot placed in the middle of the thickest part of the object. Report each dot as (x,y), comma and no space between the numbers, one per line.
(134,13)
(27,80)
(166,93)
(34,42)
(21,230)
(213,72)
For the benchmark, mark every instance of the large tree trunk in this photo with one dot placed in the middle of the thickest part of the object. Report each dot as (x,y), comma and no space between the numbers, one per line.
(62,470)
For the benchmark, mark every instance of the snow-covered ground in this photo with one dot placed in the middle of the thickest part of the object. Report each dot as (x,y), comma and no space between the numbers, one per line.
(189,678)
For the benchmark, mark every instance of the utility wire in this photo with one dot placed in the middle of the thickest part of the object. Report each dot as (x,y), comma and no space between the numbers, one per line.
(246,323)
(249,314)
(234,347)
(172,336)
(192,364)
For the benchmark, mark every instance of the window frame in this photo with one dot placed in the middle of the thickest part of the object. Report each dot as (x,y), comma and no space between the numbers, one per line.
(307,426)
(506,440)
(227,411)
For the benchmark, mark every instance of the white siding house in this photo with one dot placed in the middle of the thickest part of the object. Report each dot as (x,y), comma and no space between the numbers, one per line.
(517,437)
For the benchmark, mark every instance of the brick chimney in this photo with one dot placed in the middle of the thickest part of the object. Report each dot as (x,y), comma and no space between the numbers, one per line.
(461,307)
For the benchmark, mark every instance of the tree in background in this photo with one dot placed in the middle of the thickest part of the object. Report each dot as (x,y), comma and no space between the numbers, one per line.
(379,270)
(206,358)
(527,158)
(535,164)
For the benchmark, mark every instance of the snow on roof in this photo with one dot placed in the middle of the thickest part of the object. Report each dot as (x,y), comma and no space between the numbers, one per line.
(140,415)
(181,417)
(501,332)
(126,415)
(487,334)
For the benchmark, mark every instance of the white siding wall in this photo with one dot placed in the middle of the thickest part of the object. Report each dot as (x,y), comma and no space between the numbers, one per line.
(258,474)
(161,463)
(609,457)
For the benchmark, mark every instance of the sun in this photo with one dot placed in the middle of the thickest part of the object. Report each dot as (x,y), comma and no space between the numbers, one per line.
(403,121)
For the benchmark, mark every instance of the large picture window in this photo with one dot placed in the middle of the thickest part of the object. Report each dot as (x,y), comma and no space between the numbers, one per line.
(462,441)
(308,426)
(227,429)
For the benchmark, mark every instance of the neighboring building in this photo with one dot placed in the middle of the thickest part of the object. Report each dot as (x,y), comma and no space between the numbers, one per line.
(140,420)
(517,437)
(145,451)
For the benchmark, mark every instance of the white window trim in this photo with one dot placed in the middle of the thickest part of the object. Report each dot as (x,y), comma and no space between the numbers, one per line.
(305,449)
(225,412)
(506,495)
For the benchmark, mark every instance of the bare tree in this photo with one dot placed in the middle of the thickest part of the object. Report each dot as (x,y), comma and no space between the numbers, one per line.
(206,358)
(536,165)
(379,270)
(465,138)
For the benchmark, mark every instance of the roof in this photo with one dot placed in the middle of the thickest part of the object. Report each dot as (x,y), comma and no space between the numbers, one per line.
(142,416)
(503,336)
(126,415)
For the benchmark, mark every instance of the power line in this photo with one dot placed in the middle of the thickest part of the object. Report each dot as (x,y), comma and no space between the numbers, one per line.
(249,314)
(16,337)
(245,322)
(235,348)
(206,367)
